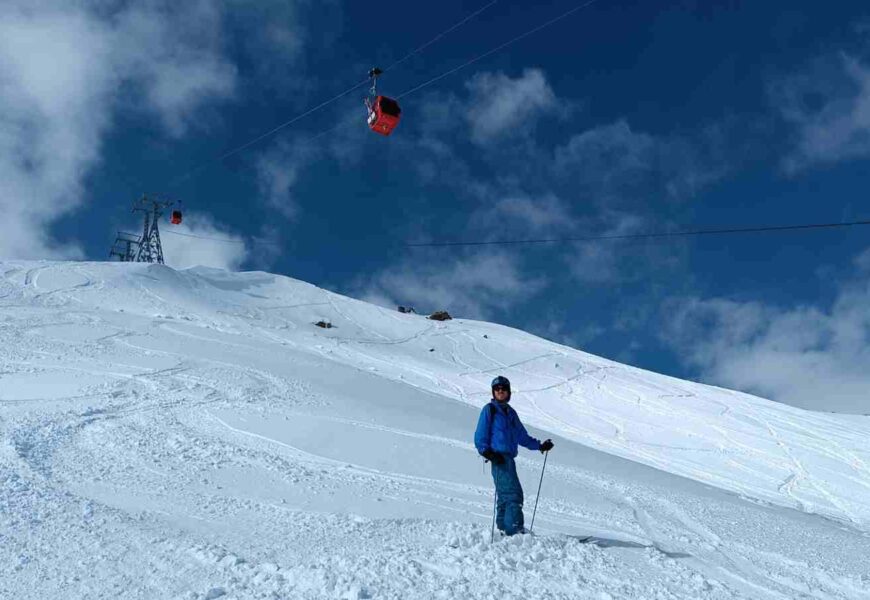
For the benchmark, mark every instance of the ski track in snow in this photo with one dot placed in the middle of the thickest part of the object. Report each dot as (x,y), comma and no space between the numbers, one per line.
(191,435)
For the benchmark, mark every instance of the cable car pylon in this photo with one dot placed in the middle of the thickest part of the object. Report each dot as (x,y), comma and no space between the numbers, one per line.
(145,248)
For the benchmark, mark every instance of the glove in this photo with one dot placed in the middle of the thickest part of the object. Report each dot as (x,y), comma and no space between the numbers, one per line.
(546,446)
(493,457)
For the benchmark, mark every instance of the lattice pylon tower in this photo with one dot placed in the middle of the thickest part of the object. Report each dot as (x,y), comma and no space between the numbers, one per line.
(150,249)
(126,246)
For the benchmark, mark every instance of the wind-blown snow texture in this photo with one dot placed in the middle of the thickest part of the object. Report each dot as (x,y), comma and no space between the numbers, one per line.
(191,434)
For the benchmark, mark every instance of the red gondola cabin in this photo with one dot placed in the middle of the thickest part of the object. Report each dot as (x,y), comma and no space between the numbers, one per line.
(175,219)
(384,115)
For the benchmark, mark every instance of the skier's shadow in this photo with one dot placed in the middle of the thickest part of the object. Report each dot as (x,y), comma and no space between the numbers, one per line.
(612,543)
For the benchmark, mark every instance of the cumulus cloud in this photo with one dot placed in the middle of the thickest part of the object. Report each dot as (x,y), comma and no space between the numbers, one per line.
(499,104)
(813,357)
(271,31)
(277,174)
(540,214)
(554,326)
(51,78)
(171,53)
(187,245)
(518,216)
(66,68)
(496,106)
(280,166)
(608,179)
(614,164)
(269,244)
(602,262)
(828,104)
(472,286)
(516,213)
(608,151)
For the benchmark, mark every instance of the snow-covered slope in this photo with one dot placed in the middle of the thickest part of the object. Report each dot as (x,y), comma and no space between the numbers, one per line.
(192,434)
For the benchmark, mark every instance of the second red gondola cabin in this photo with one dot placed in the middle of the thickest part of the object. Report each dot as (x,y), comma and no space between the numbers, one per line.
(384,115)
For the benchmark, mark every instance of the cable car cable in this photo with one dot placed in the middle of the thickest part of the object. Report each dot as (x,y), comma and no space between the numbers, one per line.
(335,98)
(462,66)
(478,58)
(252,242)
(469,62)
(642,236)
(439,36)
(203,237)
(637,236)
(263,136)
(404,94)
(498,48)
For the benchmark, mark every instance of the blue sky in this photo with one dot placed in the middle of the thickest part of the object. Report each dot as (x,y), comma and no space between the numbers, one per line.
(623,117)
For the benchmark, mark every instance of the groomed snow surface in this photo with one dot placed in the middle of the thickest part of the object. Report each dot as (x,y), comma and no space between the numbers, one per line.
(193,435)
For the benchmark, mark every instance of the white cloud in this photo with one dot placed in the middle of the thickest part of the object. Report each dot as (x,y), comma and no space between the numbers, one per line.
(280,166)
(546,213)
(606,164)
(517,214)
(499,104)
(617,175)
(552,326)
(828,104)
(65,69)
(472,286)
(602,262)
(225,251)
(614,164)
(608,152)
(52,81)
(271,31)
(172,53)
(495,107)
(806,356)
(269,245)
(278,172)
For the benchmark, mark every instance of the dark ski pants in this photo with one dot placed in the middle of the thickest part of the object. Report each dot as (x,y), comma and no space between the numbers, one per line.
(509,509)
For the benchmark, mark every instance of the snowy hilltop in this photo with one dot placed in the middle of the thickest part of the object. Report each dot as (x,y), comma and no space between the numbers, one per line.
(192,434)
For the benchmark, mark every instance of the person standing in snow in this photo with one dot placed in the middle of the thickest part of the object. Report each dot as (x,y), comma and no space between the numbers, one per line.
(499,432)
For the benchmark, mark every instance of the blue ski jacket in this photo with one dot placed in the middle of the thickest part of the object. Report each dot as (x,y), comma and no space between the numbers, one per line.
(499,428)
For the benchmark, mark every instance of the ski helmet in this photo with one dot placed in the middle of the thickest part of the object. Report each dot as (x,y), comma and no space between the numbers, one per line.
(501,381)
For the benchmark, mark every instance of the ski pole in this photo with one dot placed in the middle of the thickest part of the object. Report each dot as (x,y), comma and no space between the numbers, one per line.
(539,491)
(494,504)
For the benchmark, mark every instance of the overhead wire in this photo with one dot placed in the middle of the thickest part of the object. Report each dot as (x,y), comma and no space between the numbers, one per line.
(265,135)
(325,103)
(453,70)
(468,63)
(596,238)
(408,92)
(402,95)
(642,236)
(439,36)
(497,48)
(205,237)
(638,236)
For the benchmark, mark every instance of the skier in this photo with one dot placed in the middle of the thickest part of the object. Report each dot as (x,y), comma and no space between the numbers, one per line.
(498,433)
